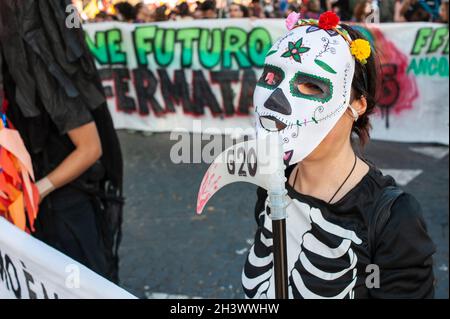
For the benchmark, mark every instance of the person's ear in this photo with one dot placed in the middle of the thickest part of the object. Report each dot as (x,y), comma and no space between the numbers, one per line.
(360,105)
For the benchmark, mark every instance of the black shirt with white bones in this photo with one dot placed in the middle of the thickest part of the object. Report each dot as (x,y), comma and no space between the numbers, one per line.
(328,250)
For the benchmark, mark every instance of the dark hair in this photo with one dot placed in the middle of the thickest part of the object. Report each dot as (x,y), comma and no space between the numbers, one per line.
(127,11)
(365,83)
(293,7)
(160,13)
(208,5)
(245,12)
(102,15)
(183,9)
(139,6)
(244,9)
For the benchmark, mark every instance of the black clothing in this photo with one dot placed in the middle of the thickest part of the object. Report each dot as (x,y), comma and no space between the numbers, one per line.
(329,247)
(51,84)
(67,222)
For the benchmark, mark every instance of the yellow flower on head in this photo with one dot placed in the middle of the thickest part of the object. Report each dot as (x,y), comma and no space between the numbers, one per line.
(361,50)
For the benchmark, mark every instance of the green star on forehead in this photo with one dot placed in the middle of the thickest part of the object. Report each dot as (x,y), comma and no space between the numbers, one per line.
(295,50)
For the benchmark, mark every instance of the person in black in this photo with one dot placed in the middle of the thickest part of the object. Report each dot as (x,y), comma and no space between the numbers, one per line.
(52,94)
(351,232)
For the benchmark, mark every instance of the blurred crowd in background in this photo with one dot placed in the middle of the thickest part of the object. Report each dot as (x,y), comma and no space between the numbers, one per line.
(349,10)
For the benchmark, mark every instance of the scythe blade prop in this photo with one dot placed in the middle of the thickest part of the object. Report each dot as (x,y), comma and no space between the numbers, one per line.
(259,162)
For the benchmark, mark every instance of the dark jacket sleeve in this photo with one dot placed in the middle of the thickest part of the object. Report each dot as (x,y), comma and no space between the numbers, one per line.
(50,65)
(404,254)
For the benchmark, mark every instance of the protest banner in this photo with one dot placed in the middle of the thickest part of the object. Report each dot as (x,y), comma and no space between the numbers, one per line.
(29,269)
(161,77)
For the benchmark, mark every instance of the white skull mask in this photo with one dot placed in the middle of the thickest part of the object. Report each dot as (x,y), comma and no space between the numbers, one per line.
(305,89)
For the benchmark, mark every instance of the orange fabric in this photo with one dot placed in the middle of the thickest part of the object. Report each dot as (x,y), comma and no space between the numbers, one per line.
(16,211)
(19,197)
(7,164)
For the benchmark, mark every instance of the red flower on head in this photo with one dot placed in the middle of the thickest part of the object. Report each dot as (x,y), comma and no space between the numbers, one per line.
(328,20)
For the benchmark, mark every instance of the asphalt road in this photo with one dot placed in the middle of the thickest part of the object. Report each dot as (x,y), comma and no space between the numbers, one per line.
(169,252)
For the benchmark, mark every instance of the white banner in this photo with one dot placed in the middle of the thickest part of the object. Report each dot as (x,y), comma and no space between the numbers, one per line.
(161,77)
(29,269)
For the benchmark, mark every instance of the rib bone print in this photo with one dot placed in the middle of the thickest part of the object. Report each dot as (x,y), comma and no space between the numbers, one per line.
(321,261)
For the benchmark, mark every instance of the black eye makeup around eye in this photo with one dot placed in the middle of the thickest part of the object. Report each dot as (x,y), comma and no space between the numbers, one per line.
(311,87)
(271,78)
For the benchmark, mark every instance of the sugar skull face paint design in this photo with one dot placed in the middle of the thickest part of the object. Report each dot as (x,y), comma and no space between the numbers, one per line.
(304,90)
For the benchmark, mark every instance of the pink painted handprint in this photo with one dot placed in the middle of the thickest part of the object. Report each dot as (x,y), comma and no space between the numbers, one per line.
(210,185)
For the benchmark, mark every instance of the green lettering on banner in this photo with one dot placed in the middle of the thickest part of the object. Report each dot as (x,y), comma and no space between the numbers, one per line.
(98,48)
(164,46)
(210,48)
(116,55)
(429,66)
(187,37)
(234,43)
(446,49)
(431,40)
(143,43)
(248,49)
(444,67)
(421,41)
(433,66)
(416,67)
(259,43)
(440,37)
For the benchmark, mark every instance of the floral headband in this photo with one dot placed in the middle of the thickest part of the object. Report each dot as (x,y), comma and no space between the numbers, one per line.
(329,22)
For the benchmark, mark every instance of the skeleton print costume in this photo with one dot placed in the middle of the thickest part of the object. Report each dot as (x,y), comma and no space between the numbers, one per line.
(331,248)
(328,247)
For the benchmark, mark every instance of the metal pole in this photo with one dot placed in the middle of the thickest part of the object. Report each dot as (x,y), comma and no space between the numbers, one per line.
(277,194)
(280,259)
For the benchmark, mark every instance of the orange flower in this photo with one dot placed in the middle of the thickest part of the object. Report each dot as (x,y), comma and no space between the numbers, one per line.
(361,50)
